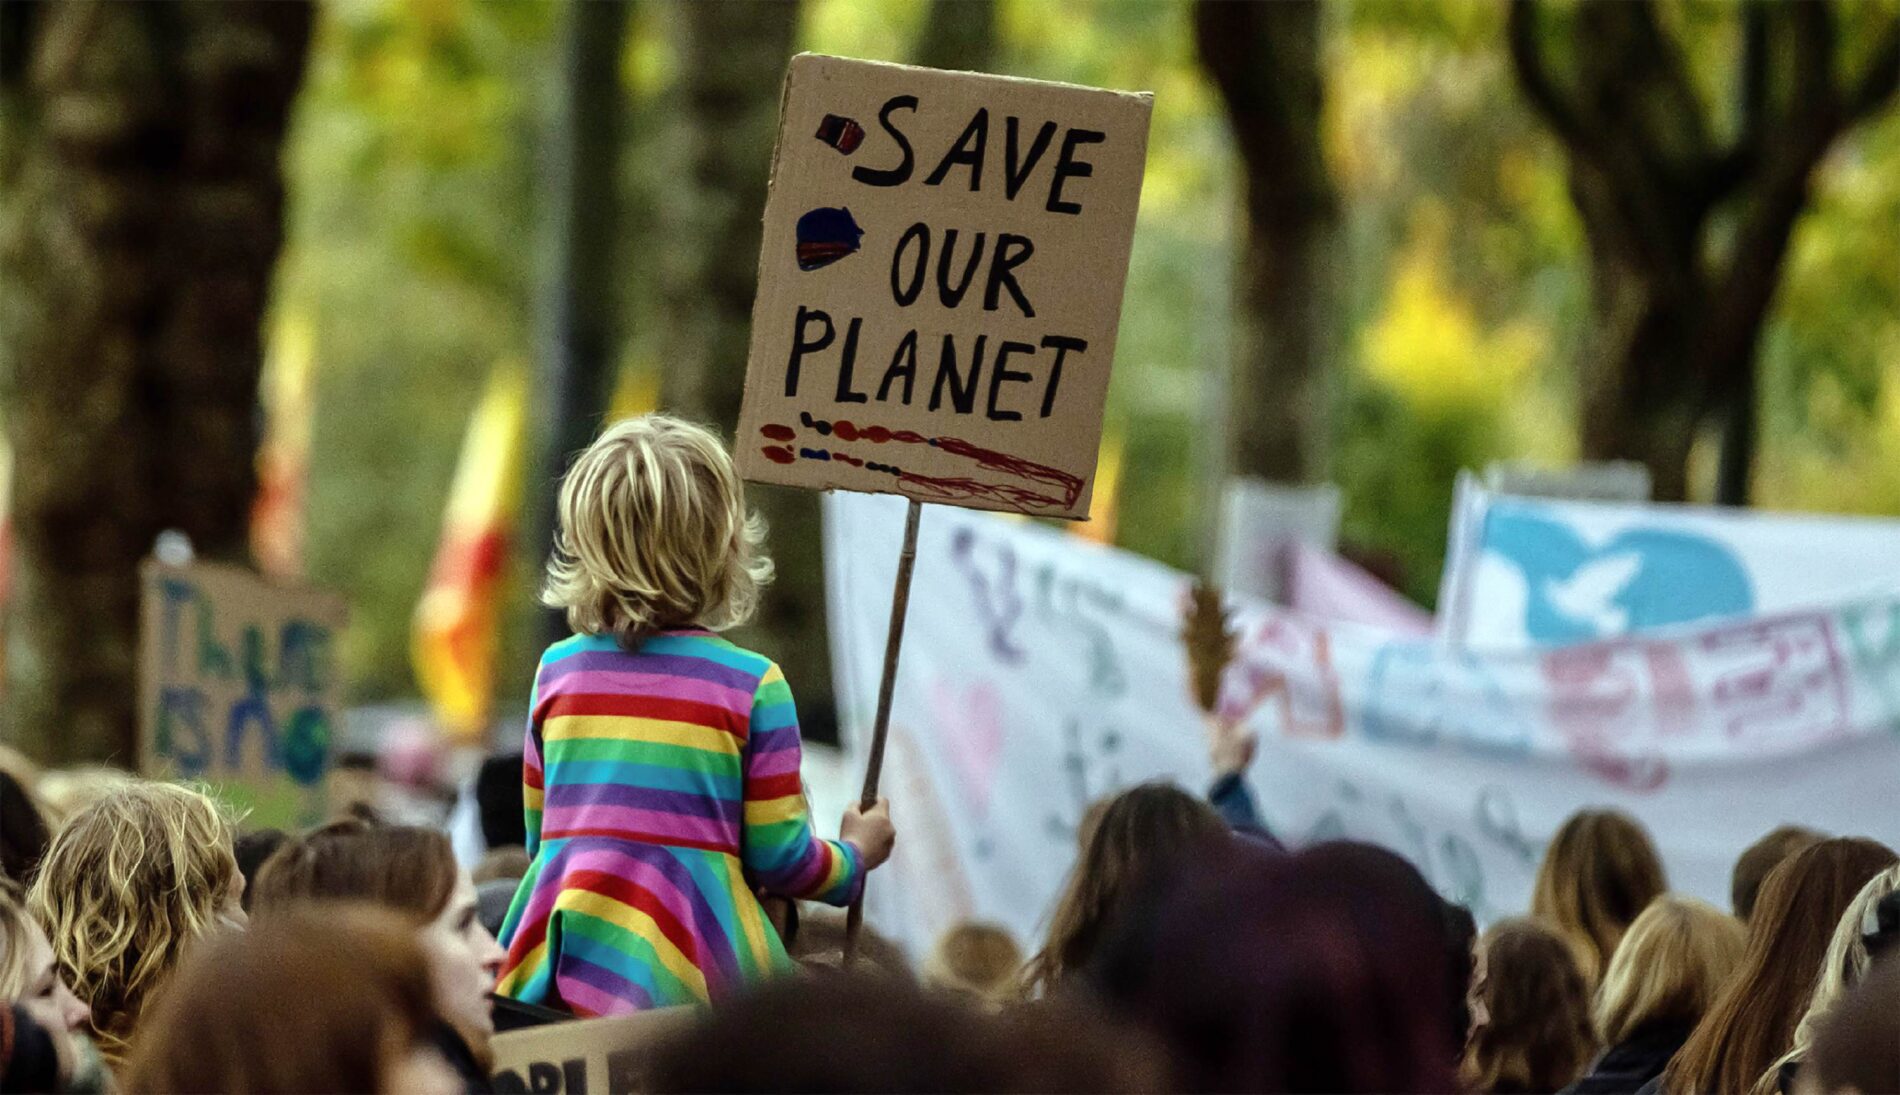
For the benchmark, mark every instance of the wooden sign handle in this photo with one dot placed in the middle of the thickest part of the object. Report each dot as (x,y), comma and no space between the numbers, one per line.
(881,728)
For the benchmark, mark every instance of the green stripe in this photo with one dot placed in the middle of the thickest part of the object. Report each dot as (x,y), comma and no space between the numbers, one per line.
(566,750)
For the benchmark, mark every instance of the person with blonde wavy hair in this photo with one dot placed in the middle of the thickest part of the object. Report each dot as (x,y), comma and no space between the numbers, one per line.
(127,886)
(661,767)
(1843,965)
(1665,973)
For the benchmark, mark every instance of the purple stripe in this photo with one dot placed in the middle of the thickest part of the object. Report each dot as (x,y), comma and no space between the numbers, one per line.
(577,977)
(577,796)
(675,665)
(660,685)
(637,823)
(782,740)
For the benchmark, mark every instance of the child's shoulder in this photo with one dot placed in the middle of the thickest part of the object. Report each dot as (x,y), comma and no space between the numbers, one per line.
(704,646)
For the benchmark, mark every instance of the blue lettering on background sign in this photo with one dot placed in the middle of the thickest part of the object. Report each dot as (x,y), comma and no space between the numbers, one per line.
(193,735)
(1641,578)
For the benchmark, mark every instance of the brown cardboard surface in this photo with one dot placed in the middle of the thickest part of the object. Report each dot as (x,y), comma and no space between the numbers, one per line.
(238,687)
(602,1056)
(991,276)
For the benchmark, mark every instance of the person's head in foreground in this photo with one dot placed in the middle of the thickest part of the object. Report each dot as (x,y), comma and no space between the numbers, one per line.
(1322,970)
(1536,1033)
(28,974)
(654,534)
(1144,830)
(1856,1047)
(846,1033)
(1599,873)
(23,830)
(975,960)
(1848,957)
(411,872)
(1753,865)
(127,886)
(1661,981)
(337,998)
(1753,1019)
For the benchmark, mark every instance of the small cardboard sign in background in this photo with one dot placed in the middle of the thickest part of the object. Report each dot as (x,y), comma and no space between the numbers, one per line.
(238,687)
(608,1056)
(940,285)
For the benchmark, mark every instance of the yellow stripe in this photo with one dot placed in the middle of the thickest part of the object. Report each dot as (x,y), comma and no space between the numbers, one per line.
(643,925)
(629,728)
(771,811)
(529,963)
(751,917)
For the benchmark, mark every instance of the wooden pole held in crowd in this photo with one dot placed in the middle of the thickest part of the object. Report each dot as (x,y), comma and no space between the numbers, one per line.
(880,729)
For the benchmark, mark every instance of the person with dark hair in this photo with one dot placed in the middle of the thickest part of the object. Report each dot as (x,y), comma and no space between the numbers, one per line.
(1536,1035)
(1857,1047)
(412,872)
(252,851)
(1142,831)
(1322,970)
(1752,1022)
(847,1033)
(500,803)
(24,834)
(1761,857)
(338,999)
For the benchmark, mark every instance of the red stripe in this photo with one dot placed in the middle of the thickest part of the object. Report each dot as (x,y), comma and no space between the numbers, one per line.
(777,786)
(635,896)
(712,716)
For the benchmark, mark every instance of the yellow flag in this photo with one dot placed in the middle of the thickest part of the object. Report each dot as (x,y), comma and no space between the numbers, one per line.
(283,459)
(455,632)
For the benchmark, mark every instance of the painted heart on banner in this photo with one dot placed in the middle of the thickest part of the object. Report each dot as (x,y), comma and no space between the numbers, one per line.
(970,724)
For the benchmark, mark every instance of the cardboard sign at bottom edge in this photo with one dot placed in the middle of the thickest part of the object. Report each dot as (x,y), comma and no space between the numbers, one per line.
(771,475)
(607,1056)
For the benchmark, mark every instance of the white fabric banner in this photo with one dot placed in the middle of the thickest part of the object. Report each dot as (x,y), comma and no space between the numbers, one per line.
(1526,572)
(1040,673)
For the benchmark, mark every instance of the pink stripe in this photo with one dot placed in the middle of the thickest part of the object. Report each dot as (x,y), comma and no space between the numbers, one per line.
(775,763)
(659,685)
(637,823)
(590,1002)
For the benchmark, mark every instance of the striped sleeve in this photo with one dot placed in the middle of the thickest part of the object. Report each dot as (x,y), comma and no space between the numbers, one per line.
(781,852)
(533,778)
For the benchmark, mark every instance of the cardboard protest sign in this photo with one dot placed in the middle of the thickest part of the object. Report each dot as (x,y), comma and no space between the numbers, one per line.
(238,687)
(604,1056)
(940,285)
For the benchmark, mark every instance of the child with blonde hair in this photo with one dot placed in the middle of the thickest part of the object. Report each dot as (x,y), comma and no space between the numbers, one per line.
(662,762)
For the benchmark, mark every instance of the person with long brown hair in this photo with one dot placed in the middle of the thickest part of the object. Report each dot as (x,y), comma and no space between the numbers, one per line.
(338,999)
(129,884)
(413,873)
(1845,963)
(1536,1033)
(1144,829)
(1665,974)
(1599,873)
(1753,1021)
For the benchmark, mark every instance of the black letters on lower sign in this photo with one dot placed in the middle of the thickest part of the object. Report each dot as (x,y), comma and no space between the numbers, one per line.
(1000,374)
(1061,344)
(1012,251)
(962,388)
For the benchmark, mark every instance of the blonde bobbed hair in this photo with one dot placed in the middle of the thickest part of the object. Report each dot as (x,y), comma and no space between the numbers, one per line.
(655,534)
(127,886)
(1669,967)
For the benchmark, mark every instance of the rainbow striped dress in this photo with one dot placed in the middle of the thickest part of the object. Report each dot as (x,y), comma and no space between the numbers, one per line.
(662,790)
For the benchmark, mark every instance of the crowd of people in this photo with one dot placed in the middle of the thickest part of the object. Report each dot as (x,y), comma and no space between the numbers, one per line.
(657,852)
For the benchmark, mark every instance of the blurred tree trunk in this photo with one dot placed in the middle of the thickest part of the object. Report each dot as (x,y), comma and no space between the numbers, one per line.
(141,217)
(1678,303)
(958,35)
(579,340)
(1264,59)
(732,64)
